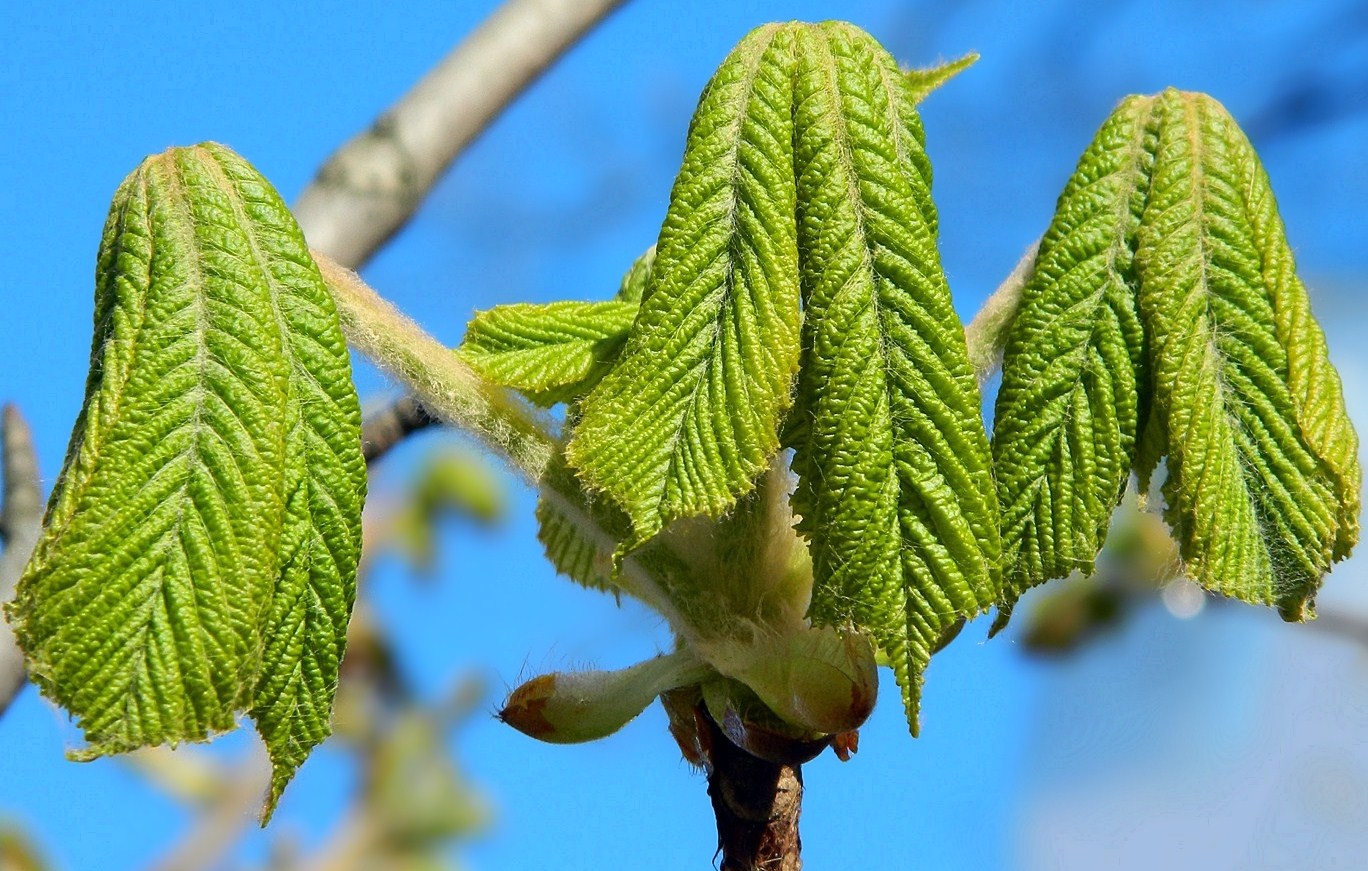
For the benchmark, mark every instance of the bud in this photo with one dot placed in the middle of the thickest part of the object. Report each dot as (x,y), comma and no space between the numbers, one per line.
(571,707)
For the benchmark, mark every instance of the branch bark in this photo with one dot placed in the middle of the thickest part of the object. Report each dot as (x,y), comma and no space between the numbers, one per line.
(392,424)
(373,184)
(20,523)
(756,803)
(219,826)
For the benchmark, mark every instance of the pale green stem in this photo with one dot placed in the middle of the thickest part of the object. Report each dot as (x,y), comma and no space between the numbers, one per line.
(510,428)
(986,334)
(451,390)
(448,387)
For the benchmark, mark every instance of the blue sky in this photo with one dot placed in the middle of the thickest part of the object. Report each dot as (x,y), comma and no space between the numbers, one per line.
(1167,734)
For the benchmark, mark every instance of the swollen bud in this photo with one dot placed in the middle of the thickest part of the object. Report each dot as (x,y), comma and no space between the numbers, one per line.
(819,679)
(570,707)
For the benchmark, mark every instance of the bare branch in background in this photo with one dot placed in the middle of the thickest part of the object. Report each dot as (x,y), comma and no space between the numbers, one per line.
(392,424)
(372,185)
(20,522)
(217,829)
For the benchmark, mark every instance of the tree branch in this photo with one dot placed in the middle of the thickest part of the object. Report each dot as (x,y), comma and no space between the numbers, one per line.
(390,425)
(372,185)
(756,803)
(220,824)
(21,517)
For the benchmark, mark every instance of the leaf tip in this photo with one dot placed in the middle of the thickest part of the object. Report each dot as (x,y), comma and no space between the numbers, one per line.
(281,775)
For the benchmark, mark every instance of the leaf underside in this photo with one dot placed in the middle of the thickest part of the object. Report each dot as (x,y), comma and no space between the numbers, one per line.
(1181,331)
(199,552)
(584,560)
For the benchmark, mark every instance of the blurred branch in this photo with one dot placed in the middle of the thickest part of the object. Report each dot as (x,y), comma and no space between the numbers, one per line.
(392,424)
(189,777)
(216,830)
(1330,90)
(20,522)
(1342,624)
(17,850)
(372,185)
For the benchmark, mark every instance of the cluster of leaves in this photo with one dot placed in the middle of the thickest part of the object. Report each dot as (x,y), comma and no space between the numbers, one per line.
(796,300)
(200,550)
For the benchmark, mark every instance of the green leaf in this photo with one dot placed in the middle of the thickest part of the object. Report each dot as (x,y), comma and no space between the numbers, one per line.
(324,485)
(922,82)
(638,277)
(141,609)
(551,353)
(1263,477)
(1075,380)
(576,553)
(1165,318)
(895,484)
(688,418)
(199,552)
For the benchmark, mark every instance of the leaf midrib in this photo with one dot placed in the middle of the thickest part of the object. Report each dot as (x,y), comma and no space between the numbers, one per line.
(1212,349)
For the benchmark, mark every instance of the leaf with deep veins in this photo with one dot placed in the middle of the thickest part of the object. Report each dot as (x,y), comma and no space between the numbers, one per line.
(895,484)
(1072,402)
(688,418)
(1263,477)
(556,352)
(141,609)
(220,431)
(324,485)
(1166,283)
(552,352)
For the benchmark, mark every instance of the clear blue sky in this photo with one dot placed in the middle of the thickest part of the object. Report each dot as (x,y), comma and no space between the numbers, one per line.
(1164,735)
